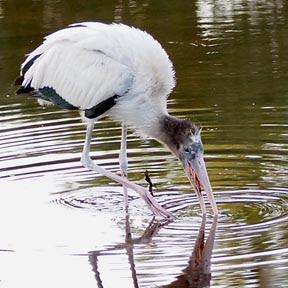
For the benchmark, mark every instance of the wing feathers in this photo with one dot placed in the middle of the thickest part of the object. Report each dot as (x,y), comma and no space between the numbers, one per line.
(79,72)
(89,62)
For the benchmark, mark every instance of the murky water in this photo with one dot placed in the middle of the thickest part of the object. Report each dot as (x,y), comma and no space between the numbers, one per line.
(63,226)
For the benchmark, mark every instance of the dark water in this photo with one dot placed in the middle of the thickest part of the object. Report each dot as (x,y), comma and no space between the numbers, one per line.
(63,226)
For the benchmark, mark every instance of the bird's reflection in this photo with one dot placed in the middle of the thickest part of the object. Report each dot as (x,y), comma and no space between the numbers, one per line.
(153,227)
(196,274)
(93,259)
(151,230)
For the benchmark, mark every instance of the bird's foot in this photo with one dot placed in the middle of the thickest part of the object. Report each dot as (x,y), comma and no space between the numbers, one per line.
(157,210)
(151,202)
(168,216)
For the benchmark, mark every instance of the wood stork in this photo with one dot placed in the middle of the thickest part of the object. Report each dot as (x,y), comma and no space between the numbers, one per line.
(122,72)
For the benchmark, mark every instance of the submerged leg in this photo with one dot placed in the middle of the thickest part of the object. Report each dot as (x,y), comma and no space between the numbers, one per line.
(123,161)
(87,162)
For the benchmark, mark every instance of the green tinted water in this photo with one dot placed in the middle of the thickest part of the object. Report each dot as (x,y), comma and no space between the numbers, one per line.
(231,65)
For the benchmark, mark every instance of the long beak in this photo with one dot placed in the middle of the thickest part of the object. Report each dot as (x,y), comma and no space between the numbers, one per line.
(196,172)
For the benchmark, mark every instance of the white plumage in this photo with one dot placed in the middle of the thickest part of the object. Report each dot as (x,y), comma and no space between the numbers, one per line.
(122,72)
(90,62)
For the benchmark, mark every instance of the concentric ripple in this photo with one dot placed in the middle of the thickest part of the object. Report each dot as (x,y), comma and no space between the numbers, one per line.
(251,232)
(42,158)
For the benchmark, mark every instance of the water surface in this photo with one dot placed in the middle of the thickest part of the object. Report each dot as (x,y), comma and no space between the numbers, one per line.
(62,225)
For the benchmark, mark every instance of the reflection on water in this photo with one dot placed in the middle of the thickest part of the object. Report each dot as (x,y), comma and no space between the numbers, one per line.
(231,64)
(198,271)
(196,274)
(152,229)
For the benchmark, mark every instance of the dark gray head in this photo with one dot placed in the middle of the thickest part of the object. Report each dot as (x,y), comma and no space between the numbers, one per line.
(183,138)
(181,135)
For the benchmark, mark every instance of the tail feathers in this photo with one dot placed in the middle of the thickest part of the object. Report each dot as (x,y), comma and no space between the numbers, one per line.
(22,89)
(25,67)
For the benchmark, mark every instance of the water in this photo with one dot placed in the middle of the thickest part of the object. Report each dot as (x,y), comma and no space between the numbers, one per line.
(62,226)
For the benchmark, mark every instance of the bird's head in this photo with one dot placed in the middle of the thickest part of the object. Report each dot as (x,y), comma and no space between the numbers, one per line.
(183,138)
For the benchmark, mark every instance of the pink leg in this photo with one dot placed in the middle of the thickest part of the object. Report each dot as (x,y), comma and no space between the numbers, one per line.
(87,162)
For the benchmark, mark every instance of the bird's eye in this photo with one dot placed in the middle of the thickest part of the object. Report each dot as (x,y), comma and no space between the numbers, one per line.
(187,150)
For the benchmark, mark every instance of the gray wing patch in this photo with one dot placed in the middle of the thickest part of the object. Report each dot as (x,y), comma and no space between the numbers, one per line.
(49,94)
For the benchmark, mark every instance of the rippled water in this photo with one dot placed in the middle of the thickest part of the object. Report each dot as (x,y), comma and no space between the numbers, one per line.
(63,226)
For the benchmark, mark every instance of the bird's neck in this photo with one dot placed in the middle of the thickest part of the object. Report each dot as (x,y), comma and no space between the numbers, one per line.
(173,132)
(152,126)
(144,114)
(166,130)
(149,117)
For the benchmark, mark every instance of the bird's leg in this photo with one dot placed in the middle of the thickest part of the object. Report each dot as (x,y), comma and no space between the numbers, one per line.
(85,158)
(123,161)
(87,162)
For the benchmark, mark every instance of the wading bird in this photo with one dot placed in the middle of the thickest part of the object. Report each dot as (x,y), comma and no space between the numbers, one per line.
(122,72)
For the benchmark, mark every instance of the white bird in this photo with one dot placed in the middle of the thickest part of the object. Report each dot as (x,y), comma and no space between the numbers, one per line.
(122,72)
